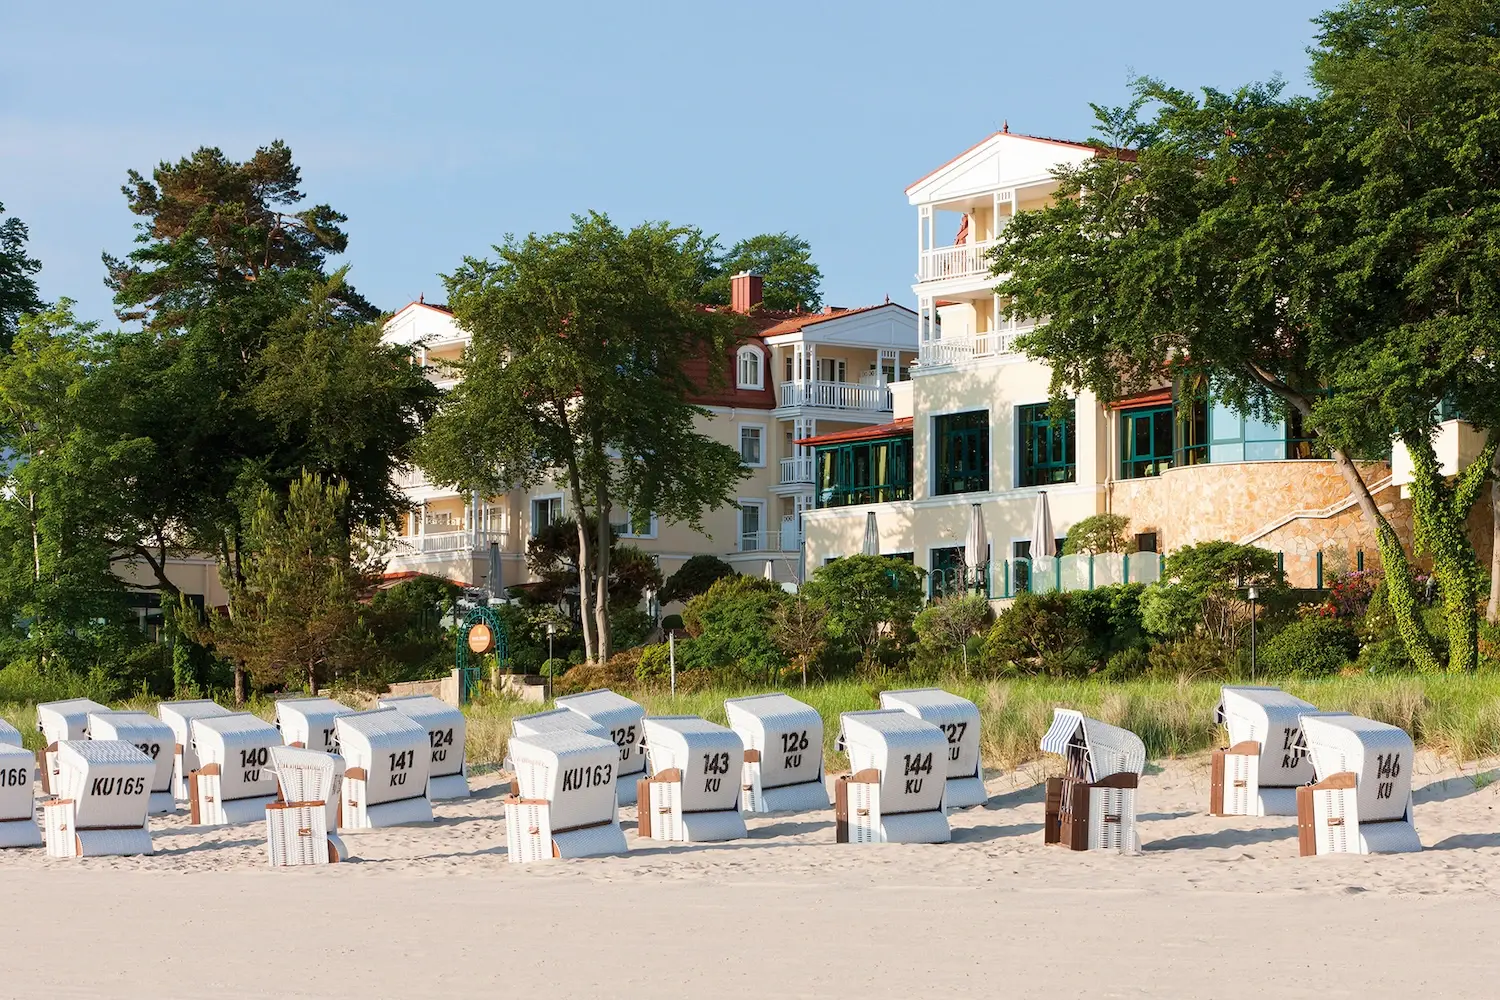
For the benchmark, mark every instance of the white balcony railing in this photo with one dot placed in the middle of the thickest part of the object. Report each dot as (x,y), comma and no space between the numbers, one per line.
(837,395)
(961,260)
(447,541)
(953,350)
(786,540)
(797,470)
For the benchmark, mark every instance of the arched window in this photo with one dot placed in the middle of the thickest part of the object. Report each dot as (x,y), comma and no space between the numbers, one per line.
(748,369)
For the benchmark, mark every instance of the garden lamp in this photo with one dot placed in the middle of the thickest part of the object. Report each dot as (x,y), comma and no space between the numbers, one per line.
(1252,595)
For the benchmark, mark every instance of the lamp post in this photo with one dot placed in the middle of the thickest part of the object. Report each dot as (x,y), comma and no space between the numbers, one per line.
(1252,595)
(551,632)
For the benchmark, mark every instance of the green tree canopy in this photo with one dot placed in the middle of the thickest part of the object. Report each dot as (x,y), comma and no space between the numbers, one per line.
(579,373)
(18,291)
(868,598)
(793,281)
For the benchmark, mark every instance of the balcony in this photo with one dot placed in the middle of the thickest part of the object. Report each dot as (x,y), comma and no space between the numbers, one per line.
(447,541)
(962,260)
(837,396)
(788,539)
(796,471)
(955,350)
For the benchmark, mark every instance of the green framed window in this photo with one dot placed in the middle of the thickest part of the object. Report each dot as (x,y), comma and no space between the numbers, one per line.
(1146,441)
(1048,448)
(876,471)
(963,452)
(949,576)
(1192,434)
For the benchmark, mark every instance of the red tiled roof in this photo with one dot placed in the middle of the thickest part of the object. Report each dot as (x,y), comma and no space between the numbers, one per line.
(1126,153)
(801,321)
(897,428)
(1152,397)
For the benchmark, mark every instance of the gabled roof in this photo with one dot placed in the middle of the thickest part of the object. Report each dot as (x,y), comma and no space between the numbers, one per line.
(801,321)
(1004,134)
(896,428)
(420,304)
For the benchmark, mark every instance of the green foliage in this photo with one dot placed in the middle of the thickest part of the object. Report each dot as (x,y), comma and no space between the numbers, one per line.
(1099,533)
(731,627)
(694,577)
(784,261)
(800,631)
(630,626)
(553,668)
(655,665)
(672,623)
(948,624)
(1065,633)
(18,291)
(870,600)
(1310,645)
(1203,592)
(297,620)
(406,623)
(579,373)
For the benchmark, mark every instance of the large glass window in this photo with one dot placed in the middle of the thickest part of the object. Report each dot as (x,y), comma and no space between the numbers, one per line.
(864,472)
(751,451)
(963,452)
(1145,442)
(1048,447)
(950,575)
(545,511)
(1192,433)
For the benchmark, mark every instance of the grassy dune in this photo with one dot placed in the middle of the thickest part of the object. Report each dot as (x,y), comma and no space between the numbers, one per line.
(1458,717)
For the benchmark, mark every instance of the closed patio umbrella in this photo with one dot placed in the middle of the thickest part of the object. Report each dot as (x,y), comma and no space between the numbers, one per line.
(872,535)
(1043,541)
(976,552)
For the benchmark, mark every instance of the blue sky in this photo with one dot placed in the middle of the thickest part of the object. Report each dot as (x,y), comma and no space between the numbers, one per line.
(440,127)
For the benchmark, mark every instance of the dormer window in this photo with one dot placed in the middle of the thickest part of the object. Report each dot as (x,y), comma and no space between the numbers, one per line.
(749,369)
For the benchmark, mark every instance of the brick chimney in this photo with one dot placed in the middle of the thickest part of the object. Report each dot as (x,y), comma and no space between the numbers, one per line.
(746,291)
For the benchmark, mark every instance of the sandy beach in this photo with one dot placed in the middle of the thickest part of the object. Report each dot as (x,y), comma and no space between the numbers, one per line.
(1210,908)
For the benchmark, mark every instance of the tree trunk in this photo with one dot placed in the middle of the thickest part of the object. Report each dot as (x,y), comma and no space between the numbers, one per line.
(312,679)
(585,566)
(601,576)
(1492,613)
(1398,581)
(239,685)
(1441,512)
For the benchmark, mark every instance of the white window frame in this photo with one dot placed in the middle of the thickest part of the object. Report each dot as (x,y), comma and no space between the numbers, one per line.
(562,509)
(762,541)
(629,529)
(741,445)
(746,352)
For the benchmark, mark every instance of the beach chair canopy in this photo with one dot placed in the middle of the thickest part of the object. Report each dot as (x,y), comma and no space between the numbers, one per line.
(708,756)
(150,735)
(9,735)
(619,715)
(240,744)
(575,772)
(66,720)
(1093,749)
(957,717)
(308,722)
(1379,755)
(109,782)
(447,733)
(907,751)
(392,748)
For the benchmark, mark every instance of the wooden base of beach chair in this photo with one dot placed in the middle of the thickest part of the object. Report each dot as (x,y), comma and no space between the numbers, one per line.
(858,818)
(1091,817)
(660,816)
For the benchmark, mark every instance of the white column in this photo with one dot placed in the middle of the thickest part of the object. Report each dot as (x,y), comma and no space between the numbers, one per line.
(474,519)
(422,524)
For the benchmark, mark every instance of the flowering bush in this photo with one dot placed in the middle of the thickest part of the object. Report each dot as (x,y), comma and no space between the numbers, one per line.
(1349,595)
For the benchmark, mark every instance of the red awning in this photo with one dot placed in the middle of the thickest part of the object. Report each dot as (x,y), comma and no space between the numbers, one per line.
(899,428)
(1156,397)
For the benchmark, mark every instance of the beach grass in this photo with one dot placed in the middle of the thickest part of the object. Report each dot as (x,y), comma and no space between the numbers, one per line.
(1456,717)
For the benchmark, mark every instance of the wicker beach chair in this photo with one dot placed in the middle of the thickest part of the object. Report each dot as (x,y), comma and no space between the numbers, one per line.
(1092,808)
(448,773)
(1258,773)
(9,735)
(153,738)
(58,721)
(233,782)
(564,804)
(624,720)
(1361,801)
(102,790)
(898,783)
(388,758)
(694,790)
(17,805)
(783,769)
(179,716)
(308,722)
(958,718)
(301,828)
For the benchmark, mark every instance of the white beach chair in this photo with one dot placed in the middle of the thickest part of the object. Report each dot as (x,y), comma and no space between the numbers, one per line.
(9,735)
(694,790)
(783,738)
(308,722)
(958,718)
(448,777)
(388,758)
(1258,773)
(233,782)
(895,791)
(1361,801)
(179,716)
(58,721)
(102,791)
(556,720)
(625,722)
(1093,807)
(17,805)
(151,737)
(301,829)
(564,805)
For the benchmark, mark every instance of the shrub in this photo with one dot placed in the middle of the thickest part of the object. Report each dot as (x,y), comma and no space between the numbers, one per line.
(1036,634)
(618,672)
(1099,533)
(1312,645)
(655,665)
(948,624)
(1194,656)
(731,625)
(629,627)
(1385,656)
(1202,592)
(871,600)
(694,577)
(553,668)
